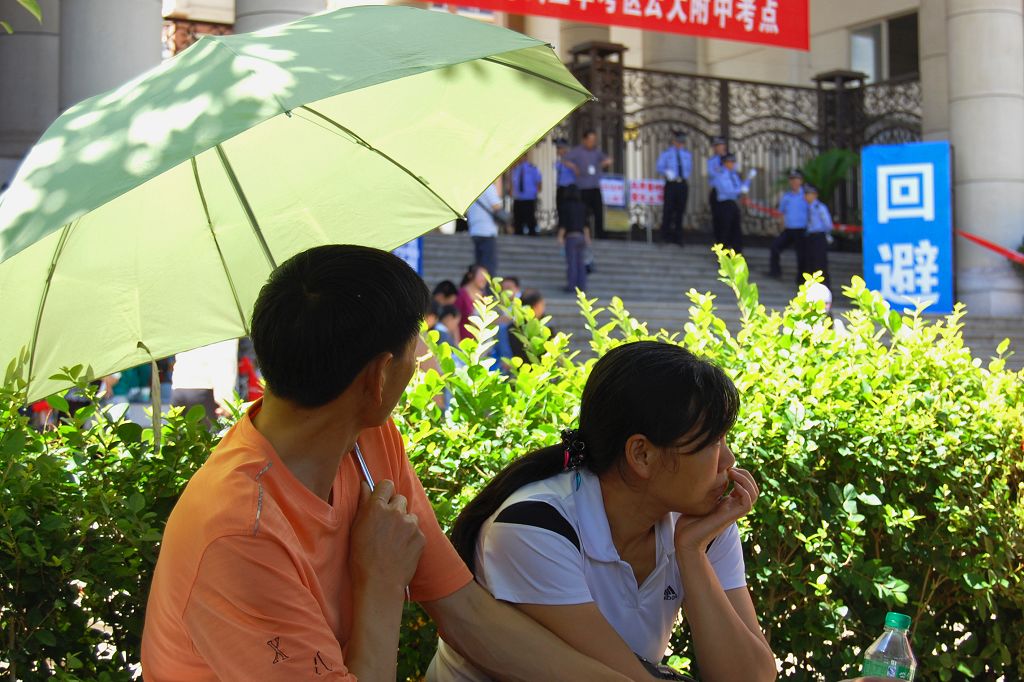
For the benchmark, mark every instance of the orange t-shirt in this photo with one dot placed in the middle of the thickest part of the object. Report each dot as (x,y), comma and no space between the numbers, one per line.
(253,582)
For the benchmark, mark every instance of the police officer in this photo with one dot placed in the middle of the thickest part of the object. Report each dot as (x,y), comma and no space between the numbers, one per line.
(793,208)
(728,188)
(526,183)
(714,164)
(567,194)
(674,164)
(815,242)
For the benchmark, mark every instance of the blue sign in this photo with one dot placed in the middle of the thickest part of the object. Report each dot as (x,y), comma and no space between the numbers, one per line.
(908,224)
(412,254)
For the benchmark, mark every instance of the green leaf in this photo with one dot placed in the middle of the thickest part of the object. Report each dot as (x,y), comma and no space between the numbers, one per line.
(870,500)
(59,403)
(136,502)
(1003,345)
(46,637)
(6,27)
(129,432)
(33,8)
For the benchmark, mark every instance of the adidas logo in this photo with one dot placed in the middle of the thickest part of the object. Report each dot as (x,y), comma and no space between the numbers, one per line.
(670,594)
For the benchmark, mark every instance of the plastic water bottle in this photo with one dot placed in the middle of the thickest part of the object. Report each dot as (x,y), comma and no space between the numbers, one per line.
(890,655)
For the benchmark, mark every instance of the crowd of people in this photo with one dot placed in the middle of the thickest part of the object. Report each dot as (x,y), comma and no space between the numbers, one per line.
(580,214)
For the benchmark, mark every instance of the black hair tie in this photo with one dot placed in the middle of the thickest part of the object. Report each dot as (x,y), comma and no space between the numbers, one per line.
(575,449)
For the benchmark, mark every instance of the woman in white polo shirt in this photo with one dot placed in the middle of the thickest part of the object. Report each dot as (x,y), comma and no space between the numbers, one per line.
(604,537)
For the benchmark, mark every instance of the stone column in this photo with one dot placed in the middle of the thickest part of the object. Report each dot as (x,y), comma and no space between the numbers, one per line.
(670,52)
(934,68)
(252,15)
(29,68)
(575,33)
(104,43)
(986,113)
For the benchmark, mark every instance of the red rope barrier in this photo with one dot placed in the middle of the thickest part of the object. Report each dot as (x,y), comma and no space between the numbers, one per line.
(1014,256)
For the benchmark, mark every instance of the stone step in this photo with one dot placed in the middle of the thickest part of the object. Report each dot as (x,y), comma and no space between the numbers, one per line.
(652,281)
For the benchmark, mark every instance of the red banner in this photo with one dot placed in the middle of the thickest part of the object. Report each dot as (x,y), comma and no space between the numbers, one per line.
(780,23)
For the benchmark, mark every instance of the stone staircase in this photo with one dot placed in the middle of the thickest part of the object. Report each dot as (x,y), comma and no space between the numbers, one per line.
(652,280)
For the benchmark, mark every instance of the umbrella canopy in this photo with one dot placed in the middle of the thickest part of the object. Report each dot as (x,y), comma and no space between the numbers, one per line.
(146,219)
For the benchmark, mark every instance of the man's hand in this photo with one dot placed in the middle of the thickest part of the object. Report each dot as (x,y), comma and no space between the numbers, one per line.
(693,533)
(386,539)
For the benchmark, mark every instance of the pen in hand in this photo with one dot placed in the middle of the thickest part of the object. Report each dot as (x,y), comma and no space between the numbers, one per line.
(369,482)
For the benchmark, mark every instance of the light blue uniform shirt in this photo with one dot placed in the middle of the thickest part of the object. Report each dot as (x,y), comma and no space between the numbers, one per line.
(793,208)
(818,219)
(714,166)
(525,178)
(481,222)
(676,162)
(727,184)
(565,175)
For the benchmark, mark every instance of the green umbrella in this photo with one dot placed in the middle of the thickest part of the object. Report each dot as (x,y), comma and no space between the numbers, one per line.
(146,219)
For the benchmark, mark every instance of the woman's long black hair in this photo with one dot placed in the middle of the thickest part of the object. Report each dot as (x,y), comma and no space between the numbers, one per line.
(660,390)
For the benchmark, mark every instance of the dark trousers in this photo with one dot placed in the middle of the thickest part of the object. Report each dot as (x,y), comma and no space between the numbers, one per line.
(187,397)
(815,255)
(485,253)
(575,268)
(571,214)
(790,237)
(727,226)
(713,205)
(524,216)
(676,194)
(594,206)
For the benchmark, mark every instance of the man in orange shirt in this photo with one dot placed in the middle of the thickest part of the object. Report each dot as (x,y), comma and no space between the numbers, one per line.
(278,562)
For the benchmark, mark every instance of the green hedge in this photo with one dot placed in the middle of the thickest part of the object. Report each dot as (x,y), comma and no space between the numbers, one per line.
(890,463)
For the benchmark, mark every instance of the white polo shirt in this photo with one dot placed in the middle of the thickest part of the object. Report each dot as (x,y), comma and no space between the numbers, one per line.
(525,554)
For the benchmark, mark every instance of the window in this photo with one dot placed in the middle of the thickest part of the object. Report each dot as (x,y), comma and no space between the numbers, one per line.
(887,49)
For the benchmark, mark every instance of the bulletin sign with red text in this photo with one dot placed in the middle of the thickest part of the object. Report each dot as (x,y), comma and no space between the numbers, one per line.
(780,23)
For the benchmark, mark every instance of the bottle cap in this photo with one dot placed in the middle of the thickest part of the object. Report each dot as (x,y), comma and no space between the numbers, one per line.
(897,620)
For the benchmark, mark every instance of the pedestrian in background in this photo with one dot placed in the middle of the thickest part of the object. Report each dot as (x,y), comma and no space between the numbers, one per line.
(526,184)
(206,376)
(483,228)
(567,194)
(713,165)
(793,208)
(675,164)
(589,163)
(474,285)
(729,188)
(815,242)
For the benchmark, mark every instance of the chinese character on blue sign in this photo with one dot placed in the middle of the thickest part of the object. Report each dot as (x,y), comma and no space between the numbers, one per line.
(908,224)
(412,254)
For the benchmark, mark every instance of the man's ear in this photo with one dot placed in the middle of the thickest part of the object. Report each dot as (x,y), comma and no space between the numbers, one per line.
(374,376)
(640,456)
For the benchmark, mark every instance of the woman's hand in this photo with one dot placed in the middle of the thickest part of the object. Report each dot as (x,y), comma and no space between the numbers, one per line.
(693,533)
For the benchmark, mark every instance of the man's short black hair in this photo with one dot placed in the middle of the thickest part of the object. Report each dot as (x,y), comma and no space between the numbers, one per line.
(588,131)
(446,311)
(531,297)
(446,288)
(327,312)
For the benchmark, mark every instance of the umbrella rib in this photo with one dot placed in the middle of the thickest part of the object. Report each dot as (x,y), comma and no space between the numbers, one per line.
(61,241)
(359,140)
(533,74)
(233,179)
(216,243)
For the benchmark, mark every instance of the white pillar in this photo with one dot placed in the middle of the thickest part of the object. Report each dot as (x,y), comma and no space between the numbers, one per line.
(670,52)
(934,69)
(986,126)
(252,15)
(546,29)
(574,33)
(29,67)
(104,43)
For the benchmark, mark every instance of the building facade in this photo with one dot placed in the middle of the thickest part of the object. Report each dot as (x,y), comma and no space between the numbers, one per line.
(966,57)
